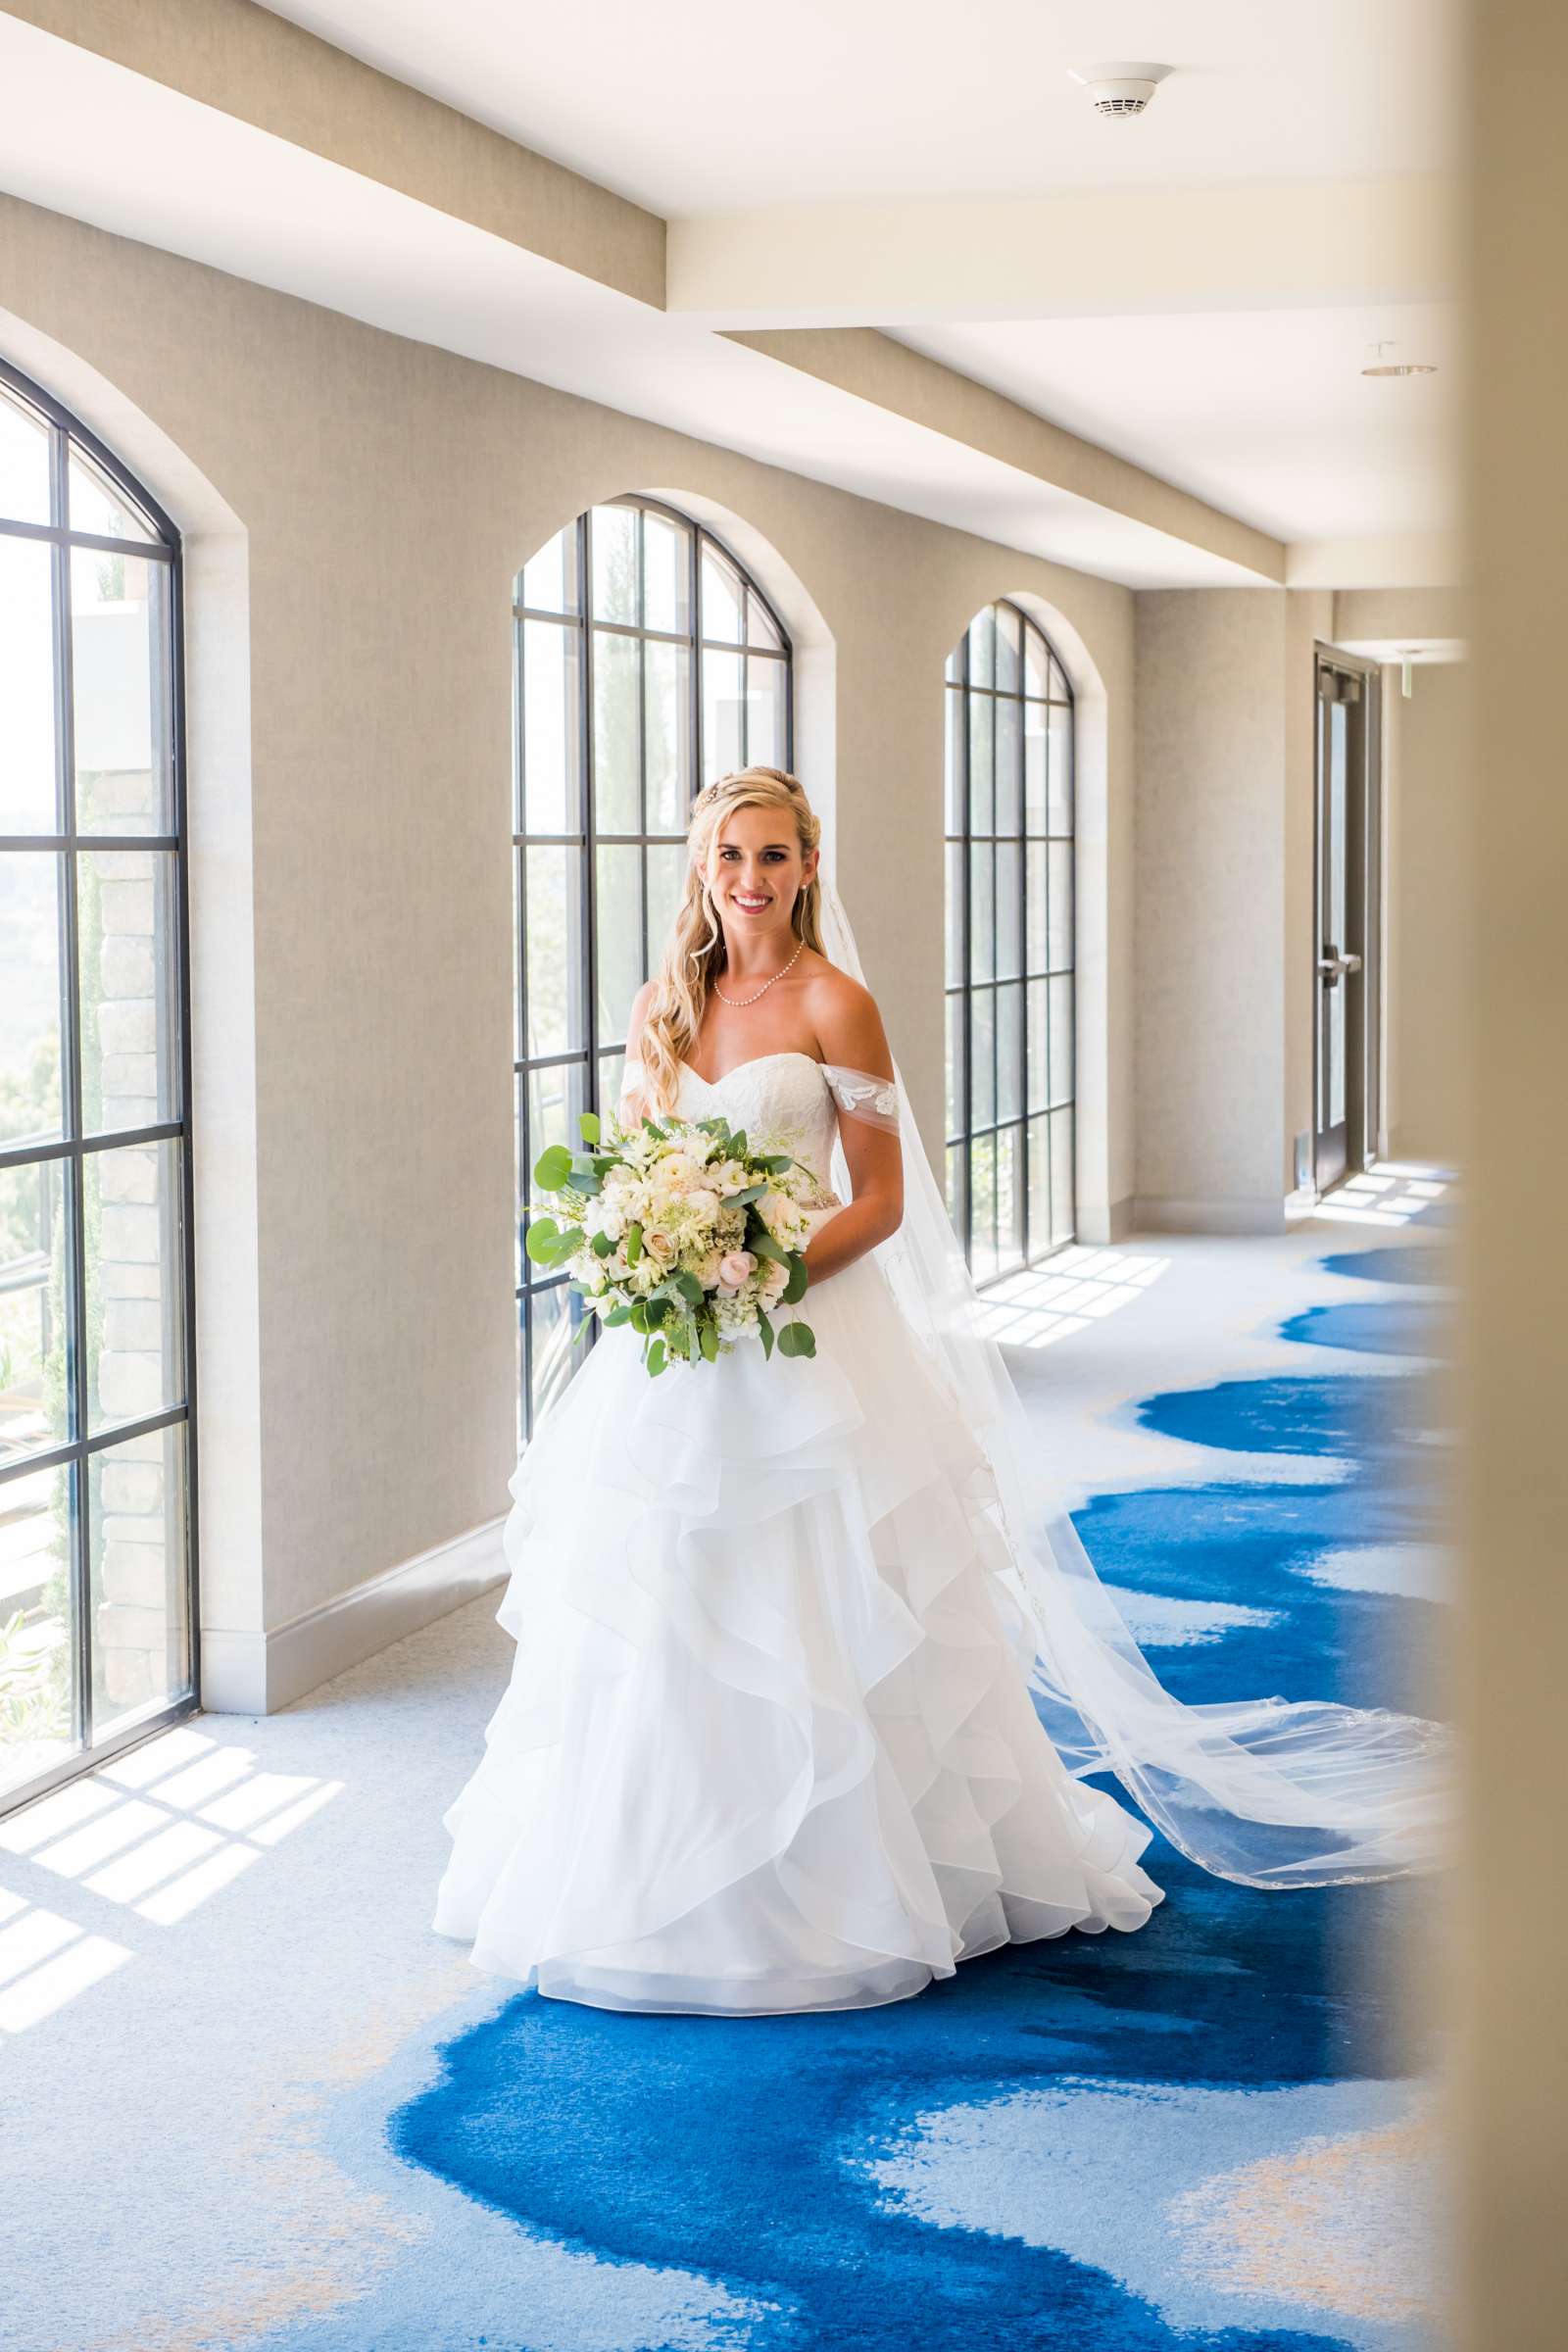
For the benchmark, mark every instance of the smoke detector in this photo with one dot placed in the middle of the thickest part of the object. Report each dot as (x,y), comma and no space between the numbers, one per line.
(1120,89)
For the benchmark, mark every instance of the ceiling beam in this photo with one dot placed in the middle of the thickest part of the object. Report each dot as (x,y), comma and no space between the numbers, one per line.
(905,383)
(243,61)
(1322,246)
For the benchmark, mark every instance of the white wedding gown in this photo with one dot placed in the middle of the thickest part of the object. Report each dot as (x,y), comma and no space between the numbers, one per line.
(768,1743)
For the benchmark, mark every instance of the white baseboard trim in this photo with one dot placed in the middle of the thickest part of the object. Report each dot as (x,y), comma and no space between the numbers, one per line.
(257,1673)
(1161,1213)
(1100,1225)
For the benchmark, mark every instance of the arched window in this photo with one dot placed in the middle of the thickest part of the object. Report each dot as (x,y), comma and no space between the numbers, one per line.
(647,663)
(97,1452)
(1009,943)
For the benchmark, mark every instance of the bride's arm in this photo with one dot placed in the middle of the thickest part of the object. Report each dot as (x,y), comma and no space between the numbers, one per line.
(849,1030)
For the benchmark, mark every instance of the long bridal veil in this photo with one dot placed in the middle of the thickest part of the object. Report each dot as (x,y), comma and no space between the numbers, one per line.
(1271,1792)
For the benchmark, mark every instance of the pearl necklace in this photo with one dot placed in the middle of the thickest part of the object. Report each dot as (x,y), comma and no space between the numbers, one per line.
(736,1003)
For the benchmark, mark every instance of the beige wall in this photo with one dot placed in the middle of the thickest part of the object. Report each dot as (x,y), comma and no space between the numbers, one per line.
(371,498)
(1427,830)
(1509,1906)
(1224,867)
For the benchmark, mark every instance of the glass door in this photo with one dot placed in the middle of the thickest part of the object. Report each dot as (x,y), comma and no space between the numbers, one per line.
(1345,977)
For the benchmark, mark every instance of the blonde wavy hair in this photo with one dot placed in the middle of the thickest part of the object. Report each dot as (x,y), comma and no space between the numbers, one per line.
(694,952)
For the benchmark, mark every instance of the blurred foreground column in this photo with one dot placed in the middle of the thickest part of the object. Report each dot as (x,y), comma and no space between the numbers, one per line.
(1511,1893)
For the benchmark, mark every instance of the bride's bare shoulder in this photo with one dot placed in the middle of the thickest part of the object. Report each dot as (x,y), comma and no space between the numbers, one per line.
(844,1015)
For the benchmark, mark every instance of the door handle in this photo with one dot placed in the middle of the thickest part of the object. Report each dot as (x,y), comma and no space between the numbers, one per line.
(1333,966)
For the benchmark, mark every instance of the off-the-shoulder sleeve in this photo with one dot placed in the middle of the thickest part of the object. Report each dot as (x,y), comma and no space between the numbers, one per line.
(862,1094)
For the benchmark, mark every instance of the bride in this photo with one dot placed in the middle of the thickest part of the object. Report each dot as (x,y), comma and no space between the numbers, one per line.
(805,1687)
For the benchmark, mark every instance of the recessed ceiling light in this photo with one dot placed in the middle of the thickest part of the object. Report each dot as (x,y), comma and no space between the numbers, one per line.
(1378,365)
(1119,89)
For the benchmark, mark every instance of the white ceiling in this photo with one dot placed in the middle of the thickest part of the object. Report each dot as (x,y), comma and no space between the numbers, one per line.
(1265,414)
(702,106)
(693,108)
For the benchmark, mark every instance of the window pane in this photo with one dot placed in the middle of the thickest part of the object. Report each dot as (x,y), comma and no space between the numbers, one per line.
(667,701)
(955,912)
(100,506)
(28,790)
(952,766)
(1063,1219)
(982,1207)
(1036,662)
(24,464)
(549,582)
(666,574)
(30,1100)
(618,742)
(1039,1234)
(128,955)
(611,1071)
(722,715)
(766,685)
(954,1186)
(982,911)
(1061,691)
(1009,781)
(983,648)
(666,875)
(955,1063)
(34,1288)
(1009,1051)
(722,599)
(553,942)
(982,1058)
(1010,910)
(982,722)
(618,936)
(1034,778)
(1059,800)
(135,1282)
(136,1576)
(1010,1199)
(1061,1040)
(612,537)
(1060,928)
(1039,1047)
(1007,671)
(120,653)
(39,1660)
(552,798)
(759,630)
(1035,926)
(555,1358)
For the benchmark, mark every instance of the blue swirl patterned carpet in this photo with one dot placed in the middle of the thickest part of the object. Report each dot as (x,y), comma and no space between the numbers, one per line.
(1215,2134)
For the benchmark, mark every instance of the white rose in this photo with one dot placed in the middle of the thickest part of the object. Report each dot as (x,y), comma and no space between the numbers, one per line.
(703,1206)
(731,1177)
(658,1244)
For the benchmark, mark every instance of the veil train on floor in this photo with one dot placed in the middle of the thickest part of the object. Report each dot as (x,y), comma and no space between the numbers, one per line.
(1271,1792)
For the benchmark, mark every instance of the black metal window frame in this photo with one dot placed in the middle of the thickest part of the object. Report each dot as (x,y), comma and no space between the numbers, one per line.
(74,1149)
(1025,1071)
(762,638)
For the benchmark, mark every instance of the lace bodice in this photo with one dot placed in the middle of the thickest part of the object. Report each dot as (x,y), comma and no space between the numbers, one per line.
(782,1098)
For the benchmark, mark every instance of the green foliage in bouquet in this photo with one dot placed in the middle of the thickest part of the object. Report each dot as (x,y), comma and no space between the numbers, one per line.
(682,1229)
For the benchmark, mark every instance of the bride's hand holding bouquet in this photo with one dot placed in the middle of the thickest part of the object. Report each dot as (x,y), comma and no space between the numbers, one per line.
(683,1229)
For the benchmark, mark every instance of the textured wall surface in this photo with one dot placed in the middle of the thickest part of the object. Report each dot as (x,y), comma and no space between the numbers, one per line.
(369,499)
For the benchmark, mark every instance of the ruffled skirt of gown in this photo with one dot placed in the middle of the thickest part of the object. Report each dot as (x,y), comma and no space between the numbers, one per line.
(768,1743)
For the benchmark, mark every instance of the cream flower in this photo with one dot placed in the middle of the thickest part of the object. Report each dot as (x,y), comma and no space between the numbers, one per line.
(658,1244)
(735,1268)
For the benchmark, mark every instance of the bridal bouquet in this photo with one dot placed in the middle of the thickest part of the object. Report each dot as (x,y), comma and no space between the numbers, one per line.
(682,1229)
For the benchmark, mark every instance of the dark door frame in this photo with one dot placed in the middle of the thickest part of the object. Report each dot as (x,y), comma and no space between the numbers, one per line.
(1354,965)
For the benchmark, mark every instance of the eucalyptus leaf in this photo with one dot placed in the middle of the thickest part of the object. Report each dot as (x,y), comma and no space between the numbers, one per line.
(634,1244)
(553,1169)
(688,1286)
(588,1126)
(603,1247)
(761,1244)
(654,1128)
(617,1315)
(796,1287)
(540,1240)
(708,1334)
(657,1360)
(764,1326)
(797,1338)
